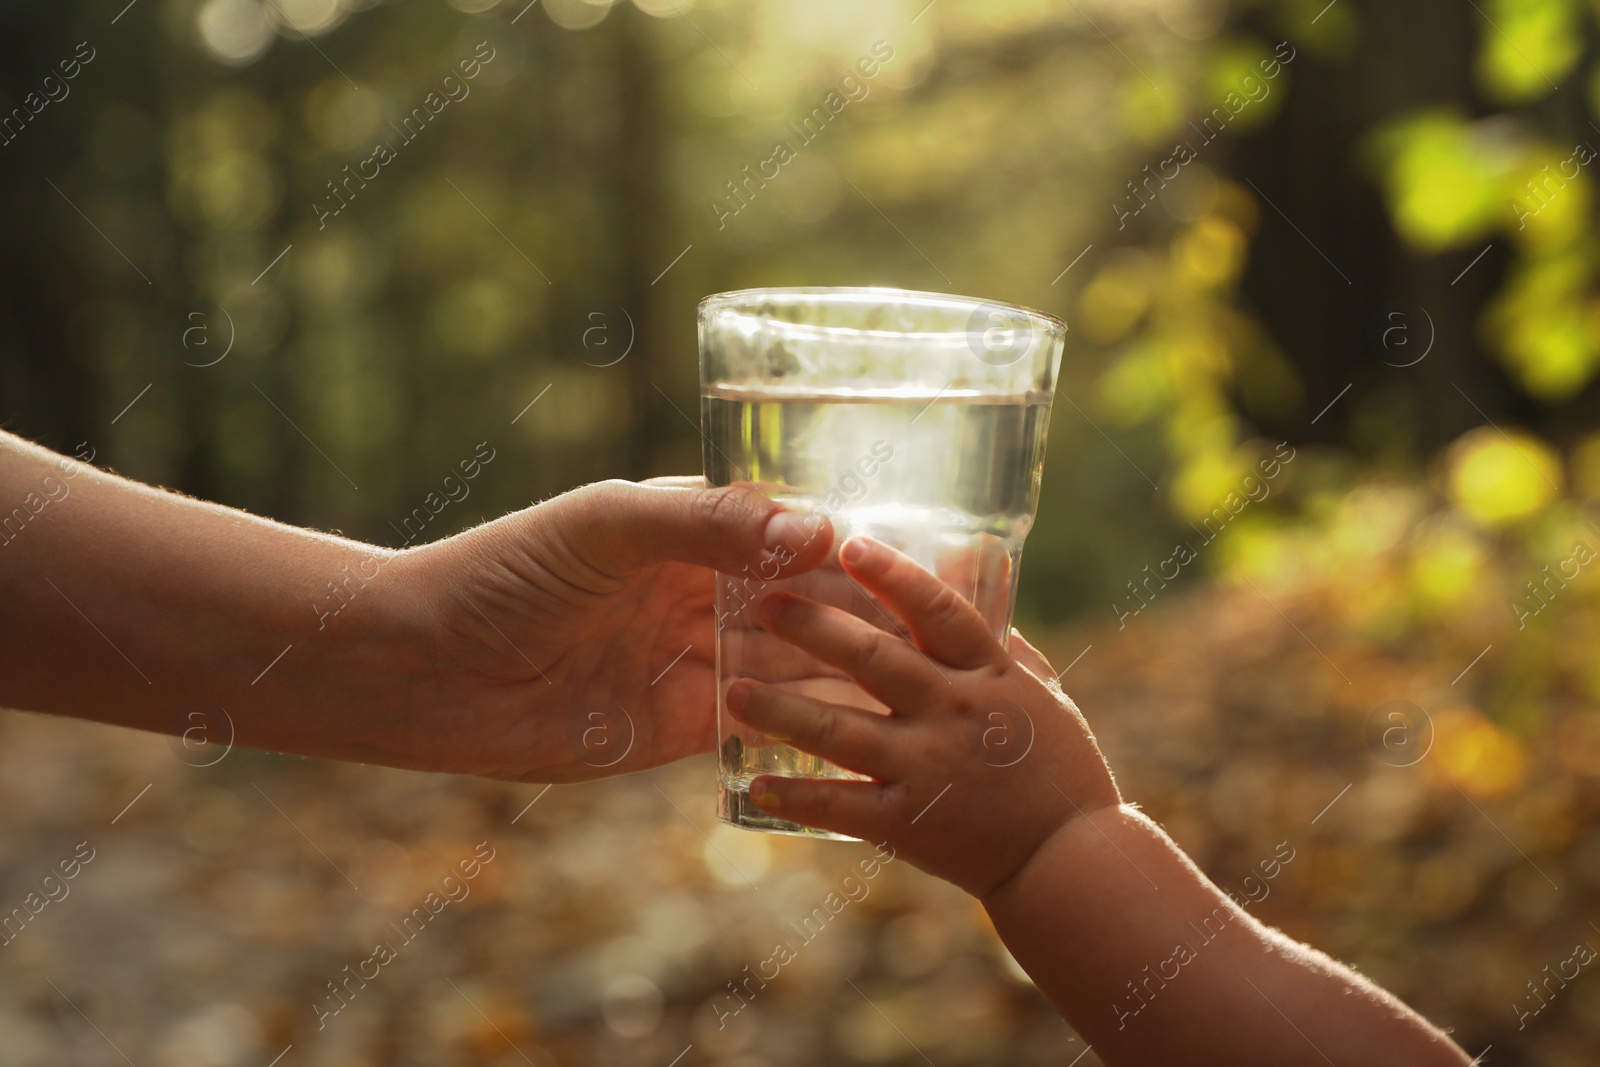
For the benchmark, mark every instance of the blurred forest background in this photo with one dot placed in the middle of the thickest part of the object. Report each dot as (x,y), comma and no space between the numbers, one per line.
(1380,252)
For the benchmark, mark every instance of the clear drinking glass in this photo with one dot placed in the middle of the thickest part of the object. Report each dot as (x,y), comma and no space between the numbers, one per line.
(916,418)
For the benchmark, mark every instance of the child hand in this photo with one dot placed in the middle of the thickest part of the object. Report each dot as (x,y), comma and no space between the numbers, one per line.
(981,758)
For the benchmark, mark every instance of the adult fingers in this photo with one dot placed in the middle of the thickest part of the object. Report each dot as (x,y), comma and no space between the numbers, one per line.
(849,737)
(947,627)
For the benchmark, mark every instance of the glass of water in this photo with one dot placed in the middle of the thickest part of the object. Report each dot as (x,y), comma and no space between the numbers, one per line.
(918,419)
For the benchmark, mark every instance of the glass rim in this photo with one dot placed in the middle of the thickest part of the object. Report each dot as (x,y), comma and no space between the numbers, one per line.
(869,294)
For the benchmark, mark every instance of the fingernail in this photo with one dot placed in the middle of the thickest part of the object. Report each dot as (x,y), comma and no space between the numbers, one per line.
(787,529)
(855,550)
(779,737)
(738,697)
(768,800)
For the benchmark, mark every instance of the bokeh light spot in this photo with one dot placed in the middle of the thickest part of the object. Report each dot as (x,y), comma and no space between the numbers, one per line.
(236,32)
(1498,478)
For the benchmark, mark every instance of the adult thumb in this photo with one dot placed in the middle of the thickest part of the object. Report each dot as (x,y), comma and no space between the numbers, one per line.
(617,527)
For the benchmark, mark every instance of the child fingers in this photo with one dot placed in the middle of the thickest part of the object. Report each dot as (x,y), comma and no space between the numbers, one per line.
(945,625)
(859,809)
(826,584)
(885,664)
(853,739)
(768,658)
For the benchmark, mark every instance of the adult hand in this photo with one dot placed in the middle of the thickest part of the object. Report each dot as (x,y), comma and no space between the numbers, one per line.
(575,639)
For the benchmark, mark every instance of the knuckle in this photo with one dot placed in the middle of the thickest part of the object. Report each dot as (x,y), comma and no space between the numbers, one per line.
(874,651)
(824,728)
(891,799)
(944,605)
(596,492)
(726,507)
(587,501)
(591,507)
(860,645)
(580,523)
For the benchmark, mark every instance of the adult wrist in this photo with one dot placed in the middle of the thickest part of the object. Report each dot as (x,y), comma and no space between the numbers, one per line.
(356,667)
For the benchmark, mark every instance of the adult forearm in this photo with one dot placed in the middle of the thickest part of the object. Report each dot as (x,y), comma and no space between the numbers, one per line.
(125,604)
(1152,963)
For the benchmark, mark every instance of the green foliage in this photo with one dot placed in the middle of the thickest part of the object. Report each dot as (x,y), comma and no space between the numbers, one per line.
(1529,47)
(1447,181)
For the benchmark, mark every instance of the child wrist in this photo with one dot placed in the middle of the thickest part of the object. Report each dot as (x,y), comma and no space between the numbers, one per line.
(1071,839)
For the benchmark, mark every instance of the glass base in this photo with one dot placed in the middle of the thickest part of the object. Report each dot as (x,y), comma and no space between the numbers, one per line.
(735,808)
